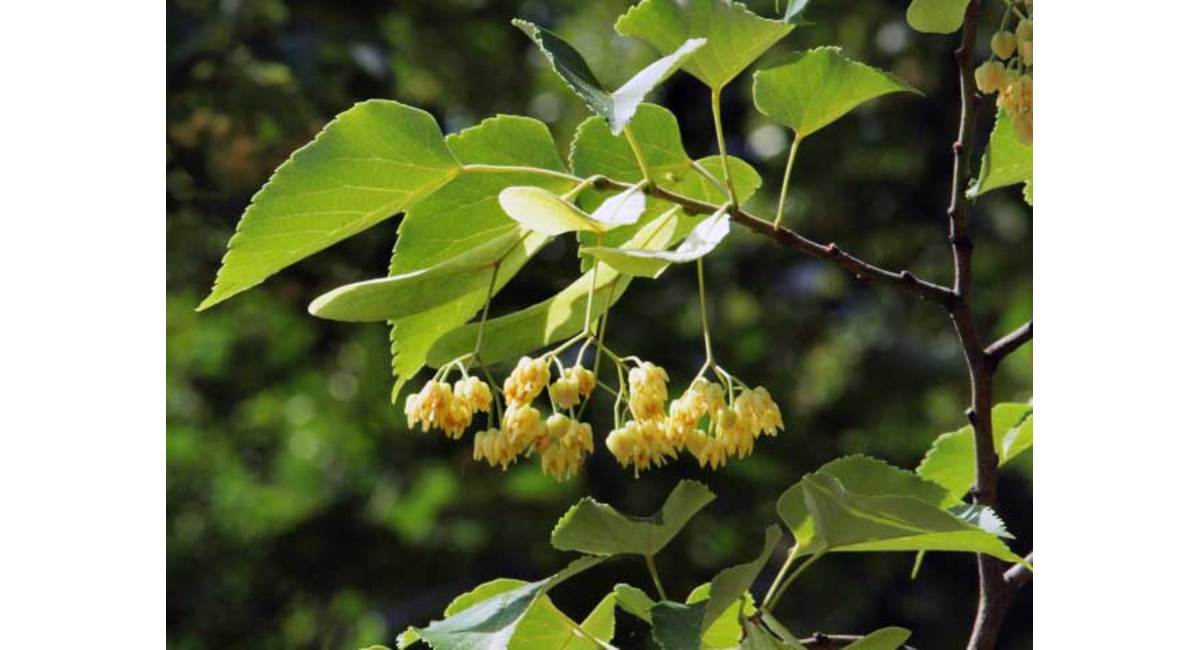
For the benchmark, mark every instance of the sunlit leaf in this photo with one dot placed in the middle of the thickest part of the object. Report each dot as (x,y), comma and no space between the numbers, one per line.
(735,36)
(1006,161)
(558,317)
(398,296)
(545,212)
(936,16)
(616,108)
(621,209)
(950,461)
(725,631)
(633,600)
(758,638)
(814,88)
(888,638)
(371,162)
(462,215)
(731,584)
(599,529)
(647,263)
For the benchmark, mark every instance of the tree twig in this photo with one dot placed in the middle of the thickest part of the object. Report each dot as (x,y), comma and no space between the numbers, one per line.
(1009,343)
(820,641)
(1019,575)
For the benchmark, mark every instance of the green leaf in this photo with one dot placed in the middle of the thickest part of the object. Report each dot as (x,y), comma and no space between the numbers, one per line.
(558,317)
(816,87)
(410,636)
(648,263)
(490,615)
(676,626)
(598,529)
(546,626)
(1006,161)
(888,638)
(950,461)
(850,522)
(616,108)
(466,214)
(397,296)
(735,36)
(726,630)
(596,151)
(936,16)
(633,600)
(545,212)
(758,638)
(860,475)
(371,162)
(730,584)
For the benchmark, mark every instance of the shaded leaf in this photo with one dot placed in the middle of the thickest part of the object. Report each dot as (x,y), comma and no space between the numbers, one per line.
(735,36)
(936,16)
(1006,161)
(816,87)
(371,162)
(676,626)
(888,638)
(491,622)
(860,475)
(850,522)
(730,584)
(950,461)
(616,108)
(599,529)
(758,638)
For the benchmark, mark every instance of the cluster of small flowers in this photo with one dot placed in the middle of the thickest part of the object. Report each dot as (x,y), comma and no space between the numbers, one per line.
(646,439)
(700,420)
(563,443)
(438,406)
(1013,81)
(732,429)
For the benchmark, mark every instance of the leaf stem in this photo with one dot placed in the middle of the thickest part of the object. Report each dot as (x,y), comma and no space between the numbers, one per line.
(708,353)
(768,605)
(487,305)
(716,113)
(662,593)
(787,177)
(787,564)
(637,153)
(587,318)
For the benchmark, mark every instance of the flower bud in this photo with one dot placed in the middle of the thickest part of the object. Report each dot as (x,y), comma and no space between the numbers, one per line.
(565,392)
(989,77)
(1027,52)
(1025,29)
(1004,43)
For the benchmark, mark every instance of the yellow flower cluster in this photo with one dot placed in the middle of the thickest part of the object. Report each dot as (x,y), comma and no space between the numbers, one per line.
(646,439)
(1014,81)
(565,446)
(732,430)
(438,406)
(563,443)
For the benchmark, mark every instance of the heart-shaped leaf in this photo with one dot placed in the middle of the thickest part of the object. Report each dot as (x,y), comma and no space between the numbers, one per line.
(735,36)
(950,461)
(1006,161)
(936,16)
(371,162)
(598,529)
(617,108)
(815,88)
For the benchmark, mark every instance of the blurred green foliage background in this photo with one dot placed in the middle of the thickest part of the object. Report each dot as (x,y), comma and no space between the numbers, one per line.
(301,511)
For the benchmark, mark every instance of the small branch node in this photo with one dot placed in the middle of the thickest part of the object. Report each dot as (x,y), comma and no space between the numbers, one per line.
(958,147)
(833,249)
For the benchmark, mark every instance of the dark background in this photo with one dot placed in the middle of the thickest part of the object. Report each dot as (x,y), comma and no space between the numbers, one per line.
(302,513)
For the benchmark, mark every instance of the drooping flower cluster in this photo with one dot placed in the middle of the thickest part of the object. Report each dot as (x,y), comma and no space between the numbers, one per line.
(438,406)
(645,439)
(709,424)
(562,443)
(1010,73)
